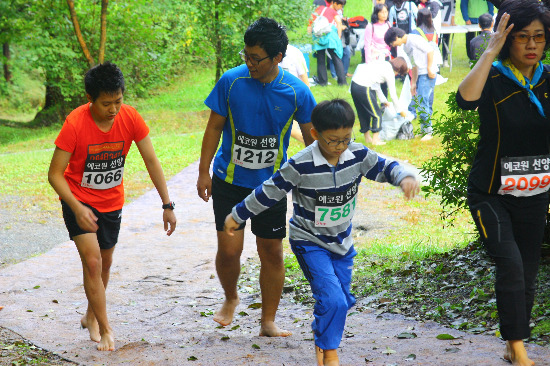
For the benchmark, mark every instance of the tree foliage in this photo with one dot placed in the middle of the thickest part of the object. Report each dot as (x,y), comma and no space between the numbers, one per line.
(447,174)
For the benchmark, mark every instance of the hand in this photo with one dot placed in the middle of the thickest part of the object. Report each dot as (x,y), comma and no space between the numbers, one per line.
(497,40)
(468,22)
(413,88)
(169,218)
(410,187)
(403,114)
(204,186)
(431,74)
(86,219)
(230,225)
(387,104)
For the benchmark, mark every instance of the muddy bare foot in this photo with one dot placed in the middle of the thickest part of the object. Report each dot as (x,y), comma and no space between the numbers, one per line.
(90,323)
(224,316)
(107,342)
(269,329)
(517,354)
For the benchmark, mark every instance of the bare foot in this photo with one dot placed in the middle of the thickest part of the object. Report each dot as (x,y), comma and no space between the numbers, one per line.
(224,316)
(107,342)
(90,322)
(517,354)
(319,355)
(426,137)
(378,142)
(269,329)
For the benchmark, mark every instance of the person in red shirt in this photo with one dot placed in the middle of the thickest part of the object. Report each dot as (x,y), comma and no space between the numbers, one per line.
(87,170)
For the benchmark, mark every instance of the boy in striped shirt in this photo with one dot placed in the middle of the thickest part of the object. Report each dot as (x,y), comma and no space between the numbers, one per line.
(324,179)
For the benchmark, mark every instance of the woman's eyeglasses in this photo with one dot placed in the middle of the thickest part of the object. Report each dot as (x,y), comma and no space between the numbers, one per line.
(525,38)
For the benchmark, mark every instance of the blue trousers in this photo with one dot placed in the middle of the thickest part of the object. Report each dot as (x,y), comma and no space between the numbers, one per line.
(424,98)
(329,276)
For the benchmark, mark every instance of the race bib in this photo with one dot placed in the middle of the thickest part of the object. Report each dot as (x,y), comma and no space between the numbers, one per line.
(525,176)
(104,167)
(255,152)
(335,208)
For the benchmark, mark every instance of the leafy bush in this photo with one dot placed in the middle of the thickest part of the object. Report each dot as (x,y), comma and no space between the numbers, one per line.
(447,174)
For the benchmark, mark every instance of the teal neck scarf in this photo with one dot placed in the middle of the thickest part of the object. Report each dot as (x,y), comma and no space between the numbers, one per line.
(512,73)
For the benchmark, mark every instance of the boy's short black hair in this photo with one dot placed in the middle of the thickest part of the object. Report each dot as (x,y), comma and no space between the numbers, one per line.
(269,35)
(332,115)
(392,34)
(105,77)
(485,21)
(339,2)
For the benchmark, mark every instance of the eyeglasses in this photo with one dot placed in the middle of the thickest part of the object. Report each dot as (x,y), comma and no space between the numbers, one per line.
(252,60)
(336,143)
(525,38)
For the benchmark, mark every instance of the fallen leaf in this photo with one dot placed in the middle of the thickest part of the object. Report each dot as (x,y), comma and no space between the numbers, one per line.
(224,338)
(236,327)
(55,301)
(452,350)
(36,287)
(410,357)
(243,313)
(255,346)
(406,335)
(256,305)
(444,336)
(192,358)
(388,351)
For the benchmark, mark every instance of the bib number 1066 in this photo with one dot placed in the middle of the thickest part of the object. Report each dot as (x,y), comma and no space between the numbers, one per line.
(102,180)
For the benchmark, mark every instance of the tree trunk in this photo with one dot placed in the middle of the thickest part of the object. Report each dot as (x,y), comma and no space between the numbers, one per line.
(78,33)
(103,36)
(7,57)
(218,41)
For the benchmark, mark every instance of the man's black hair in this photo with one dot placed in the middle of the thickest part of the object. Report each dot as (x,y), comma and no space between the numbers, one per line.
(332,115)
(522,13)
(269,35)
(339,2)
(392,34)
(485,21)
(105,77)
(377,9)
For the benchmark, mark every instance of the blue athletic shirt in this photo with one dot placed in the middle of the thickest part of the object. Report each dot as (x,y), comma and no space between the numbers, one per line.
(257,109)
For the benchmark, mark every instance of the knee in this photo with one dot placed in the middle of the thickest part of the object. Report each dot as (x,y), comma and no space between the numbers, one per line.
(509,274)
(229,253)
(332,304)
(93,266)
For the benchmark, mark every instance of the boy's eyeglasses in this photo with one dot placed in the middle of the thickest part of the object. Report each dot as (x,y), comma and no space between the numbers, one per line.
(525,38)
(252,60)
(336,143)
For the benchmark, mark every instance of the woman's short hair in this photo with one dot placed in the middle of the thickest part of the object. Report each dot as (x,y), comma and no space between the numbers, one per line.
(522,13)
(377,8)
(399,65)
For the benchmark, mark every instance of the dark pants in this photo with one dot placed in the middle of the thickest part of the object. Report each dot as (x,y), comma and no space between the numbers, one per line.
(368,108)
(322,67)
(512,229)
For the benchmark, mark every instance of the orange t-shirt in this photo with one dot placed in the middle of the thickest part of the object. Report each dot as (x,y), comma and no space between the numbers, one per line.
(96,167)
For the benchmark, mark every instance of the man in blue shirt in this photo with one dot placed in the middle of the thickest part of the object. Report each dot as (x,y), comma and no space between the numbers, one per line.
(252,109)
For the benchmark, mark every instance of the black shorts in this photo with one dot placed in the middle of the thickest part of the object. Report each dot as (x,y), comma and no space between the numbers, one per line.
(270,224)
(108,223)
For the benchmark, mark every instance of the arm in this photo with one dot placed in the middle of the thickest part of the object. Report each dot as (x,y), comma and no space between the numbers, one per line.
(470,88)
(339,25)
(413,80)
(85,218)
(304,78)
(210,142)
(368,41)
(393,94)
(464,11)
(410,187)
(431,74)
(306,132)
(152,163)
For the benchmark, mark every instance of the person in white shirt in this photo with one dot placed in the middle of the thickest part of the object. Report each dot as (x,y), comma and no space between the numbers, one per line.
(368,97)
(424,72)
(295,63)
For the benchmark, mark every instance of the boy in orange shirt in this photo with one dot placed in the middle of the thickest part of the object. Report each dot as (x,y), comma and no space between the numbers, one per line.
(87,171)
